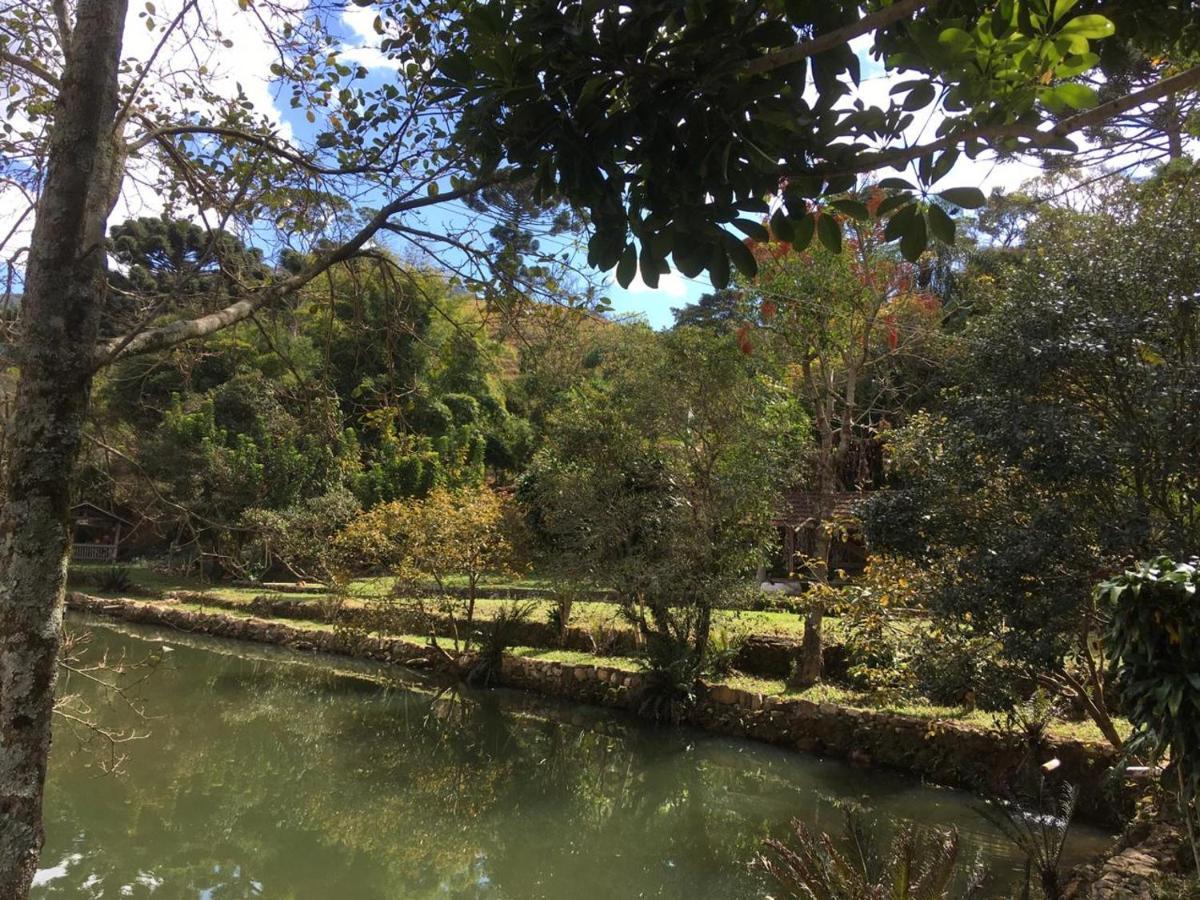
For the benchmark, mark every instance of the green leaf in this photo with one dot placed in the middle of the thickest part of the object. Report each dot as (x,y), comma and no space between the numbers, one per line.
(718,268)
(627,266)
(945,163)
(830,233)
(964,197)
(1092,27)
(753,230)
(914,240)
(1077,96)
(956,39)
(781,226)
(899,223)
(740,255)
(689,259)
(853,208)
(805,229)
(1062,7)
(941,224)
(649,266)
(895,201)
(920,96)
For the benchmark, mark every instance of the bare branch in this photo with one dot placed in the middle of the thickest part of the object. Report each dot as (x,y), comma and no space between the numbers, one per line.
(248,137)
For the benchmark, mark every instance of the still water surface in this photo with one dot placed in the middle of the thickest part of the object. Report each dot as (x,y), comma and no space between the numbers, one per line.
(273,774)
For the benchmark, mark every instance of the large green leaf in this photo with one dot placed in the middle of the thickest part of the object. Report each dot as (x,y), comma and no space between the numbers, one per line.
(1092,27)
(941,224)
(627,266)
(914,240)
(965,197)
(830,233)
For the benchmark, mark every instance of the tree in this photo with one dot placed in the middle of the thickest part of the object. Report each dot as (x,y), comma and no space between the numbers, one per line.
(469,533)
(82,118)
(1153,609)
(670,121)
(733,75)
(842,324)
(660,478)
(1066,440)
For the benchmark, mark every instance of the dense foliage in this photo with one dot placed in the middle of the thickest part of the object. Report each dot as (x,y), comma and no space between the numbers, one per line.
(1154,612)
(1065,439)
(254,451)
(660,476)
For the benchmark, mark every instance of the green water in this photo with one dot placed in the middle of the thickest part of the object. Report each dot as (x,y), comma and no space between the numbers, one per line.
(273,774)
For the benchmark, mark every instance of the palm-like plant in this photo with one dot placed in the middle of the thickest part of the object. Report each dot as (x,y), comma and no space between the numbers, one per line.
(919,864)
(1037,826)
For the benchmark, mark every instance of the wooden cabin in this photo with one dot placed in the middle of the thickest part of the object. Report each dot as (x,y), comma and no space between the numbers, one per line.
(797,523)
(97,534)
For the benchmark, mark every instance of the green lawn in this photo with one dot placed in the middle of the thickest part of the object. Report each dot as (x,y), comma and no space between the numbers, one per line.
(589,615)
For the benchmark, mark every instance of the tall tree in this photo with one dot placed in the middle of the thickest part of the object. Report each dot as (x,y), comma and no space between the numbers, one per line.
(64,279)
(844,324)
(83,119)
(1067,439)
(671,121)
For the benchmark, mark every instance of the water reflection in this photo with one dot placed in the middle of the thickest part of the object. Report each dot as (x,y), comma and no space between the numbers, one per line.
(265,775)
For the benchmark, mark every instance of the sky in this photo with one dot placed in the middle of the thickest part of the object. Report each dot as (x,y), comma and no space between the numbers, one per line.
(246,63)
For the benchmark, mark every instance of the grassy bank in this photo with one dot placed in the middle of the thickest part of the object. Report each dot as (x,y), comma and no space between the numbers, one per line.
(153,585)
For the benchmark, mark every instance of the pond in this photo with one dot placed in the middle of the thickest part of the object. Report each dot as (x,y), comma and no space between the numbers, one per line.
(268,773)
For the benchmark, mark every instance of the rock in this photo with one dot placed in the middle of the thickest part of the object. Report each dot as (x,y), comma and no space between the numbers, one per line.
(723,694)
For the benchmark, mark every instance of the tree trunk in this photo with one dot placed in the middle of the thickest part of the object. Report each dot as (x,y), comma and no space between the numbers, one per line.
(810,666)
(64,291)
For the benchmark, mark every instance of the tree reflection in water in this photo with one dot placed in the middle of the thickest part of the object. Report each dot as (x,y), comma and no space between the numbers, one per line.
(266,775)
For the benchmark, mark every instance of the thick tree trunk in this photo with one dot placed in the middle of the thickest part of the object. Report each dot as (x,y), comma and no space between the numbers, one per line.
(64,289)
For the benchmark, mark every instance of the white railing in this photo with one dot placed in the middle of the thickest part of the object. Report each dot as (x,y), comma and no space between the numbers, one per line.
(94,553)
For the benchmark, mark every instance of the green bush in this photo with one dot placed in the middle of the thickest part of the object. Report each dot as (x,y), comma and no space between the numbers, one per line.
(951,667)
(1154,658)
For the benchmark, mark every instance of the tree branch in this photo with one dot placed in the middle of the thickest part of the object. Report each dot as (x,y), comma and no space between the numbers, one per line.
(190,329)
(248,137)
(33,68)
(1097,115)
(822,42)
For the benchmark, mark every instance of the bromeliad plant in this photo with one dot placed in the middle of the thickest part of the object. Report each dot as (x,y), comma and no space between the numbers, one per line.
(1155,616)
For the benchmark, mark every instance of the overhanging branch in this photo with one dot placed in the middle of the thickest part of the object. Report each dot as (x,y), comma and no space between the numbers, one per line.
(823,42)
(1097,115)
(175,333)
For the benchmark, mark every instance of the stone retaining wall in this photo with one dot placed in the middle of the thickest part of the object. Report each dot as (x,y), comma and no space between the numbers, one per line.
(942,751)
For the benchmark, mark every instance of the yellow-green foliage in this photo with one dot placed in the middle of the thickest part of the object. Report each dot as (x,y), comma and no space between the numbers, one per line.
(463,532)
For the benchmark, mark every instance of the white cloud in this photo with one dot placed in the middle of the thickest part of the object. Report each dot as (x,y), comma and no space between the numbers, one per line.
(671,285)
(196,43)
(364,48)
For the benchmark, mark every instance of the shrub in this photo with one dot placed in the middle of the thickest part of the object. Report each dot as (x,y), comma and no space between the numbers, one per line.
(115,580)
(918,863)
(1037,826)
(1155,661)
(952,666)
(723,648)
(496,637)
(669,682)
